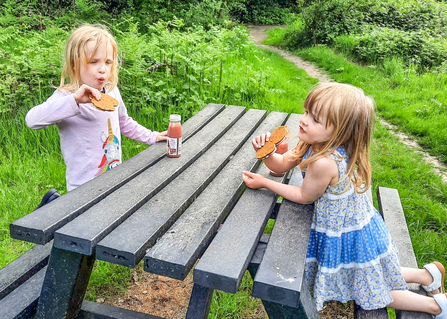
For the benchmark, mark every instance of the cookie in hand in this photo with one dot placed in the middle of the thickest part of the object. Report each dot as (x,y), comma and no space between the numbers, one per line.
(279,134)
(107,103)
(268,148)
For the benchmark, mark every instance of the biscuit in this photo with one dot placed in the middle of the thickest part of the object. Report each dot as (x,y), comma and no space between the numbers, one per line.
(279,134)
(107,103)
(268,148)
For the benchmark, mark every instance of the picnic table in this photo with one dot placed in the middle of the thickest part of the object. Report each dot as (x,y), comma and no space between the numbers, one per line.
(175,215)
(166,212)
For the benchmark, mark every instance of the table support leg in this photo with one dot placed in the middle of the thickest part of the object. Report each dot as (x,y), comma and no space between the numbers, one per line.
(277,311)
(64,285)
(199,303)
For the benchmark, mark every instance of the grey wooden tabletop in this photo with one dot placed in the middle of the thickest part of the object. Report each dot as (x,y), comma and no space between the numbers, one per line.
(174,213)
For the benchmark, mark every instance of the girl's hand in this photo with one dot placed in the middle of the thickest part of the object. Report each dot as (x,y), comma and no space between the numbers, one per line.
(162,136)
(260,140)
(252,180)
(82,95)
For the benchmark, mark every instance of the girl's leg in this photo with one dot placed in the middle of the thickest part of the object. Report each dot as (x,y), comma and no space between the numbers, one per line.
(414,275)
(407,300)
(419,276)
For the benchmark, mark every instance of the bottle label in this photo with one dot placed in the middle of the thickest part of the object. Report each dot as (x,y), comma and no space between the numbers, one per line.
(174,146)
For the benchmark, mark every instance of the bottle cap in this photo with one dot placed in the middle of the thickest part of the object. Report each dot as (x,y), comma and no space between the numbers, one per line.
(175,118)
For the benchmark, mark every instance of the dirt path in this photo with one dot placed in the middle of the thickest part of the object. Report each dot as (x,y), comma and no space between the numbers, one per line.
(258,33)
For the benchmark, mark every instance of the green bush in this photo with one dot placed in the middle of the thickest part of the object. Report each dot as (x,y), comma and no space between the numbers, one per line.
(267,15)
(262,12)
(346,43)
(169,67)
(193,12)
(29,64)
(374,31)
(206,13)
(326,20)
(297,34)
(35,15)
(415,48)
(429,16)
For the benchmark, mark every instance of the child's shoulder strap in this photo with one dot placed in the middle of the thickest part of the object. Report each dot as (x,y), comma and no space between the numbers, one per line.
(340,156)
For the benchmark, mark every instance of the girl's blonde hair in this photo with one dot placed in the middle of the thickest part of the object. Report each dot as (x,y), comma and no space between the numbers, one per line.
(351,112)
(75,55)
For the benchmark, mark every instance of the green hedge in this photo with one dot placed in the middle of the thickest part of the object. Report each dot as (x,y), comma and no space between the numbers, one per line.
(378,44)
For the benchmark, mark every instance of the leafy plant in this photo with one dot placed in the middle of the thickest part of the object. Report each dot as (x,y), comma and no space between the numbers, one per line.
(415,48)
(429,16)
(325,20)
(264,12)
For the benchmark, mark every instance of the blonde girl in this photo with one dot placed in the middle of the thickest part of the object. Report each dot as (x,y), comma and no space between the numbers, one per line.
(90,138)
(351,255)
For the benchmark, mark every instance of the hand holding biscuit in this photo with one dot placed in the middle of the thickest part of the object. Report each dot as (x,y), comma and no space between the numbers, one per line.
(82,95)
(259,141)
(265,144)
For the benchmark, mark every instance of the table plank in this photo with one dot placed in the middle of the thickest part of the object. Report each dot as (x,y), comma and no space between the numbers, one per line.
(22,301)
(393,213)
(93,310)
(223,264)
(280,275)
(127,244)
(26,265)
(39,227)
(391,209)
(82,234)
(177,251)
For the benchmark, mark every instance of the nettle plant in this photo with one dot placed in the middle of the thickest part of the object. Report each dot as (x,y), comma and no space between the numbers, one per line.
(170,68)
(29,63)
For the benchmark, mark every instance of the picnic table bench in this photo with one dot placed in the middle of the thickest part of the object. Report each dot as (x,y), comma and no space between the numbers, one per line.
(172,214)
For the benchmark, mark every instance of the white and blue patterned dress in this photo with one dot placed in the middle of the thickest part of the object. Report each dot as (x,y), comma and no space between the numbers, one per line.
(351,255)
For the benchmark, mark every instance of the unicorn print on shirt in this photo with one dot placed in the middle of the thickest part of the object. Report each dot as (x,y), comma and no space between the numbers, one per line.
(111,148)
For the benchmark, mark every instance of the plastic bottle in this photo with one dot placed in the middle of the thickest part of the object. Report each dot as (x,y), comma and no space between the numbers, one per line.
(282,148)
(174,142)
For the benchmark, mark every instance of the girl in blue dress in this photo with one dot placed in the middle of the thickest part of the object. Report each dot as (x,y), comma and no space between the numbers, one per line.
(351,255)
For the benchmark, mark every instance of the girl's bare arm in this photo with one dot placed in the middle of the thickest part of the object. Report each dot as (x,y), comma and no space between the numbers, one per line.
(319,175)
(280,163)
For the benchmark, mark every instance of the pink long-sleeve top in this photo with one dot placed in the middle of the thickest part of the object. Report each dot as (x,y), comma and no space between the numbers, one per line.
(90,138)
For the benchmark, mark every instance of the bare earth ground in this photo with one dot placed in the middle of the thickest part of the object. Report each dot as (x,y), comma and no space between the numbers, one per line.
(168,298)
(156,295)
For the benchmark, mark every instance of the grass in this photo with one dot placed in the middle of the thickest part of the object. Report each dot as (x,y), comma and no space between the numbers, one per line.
(410,100)
(239,305)
(422,193)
